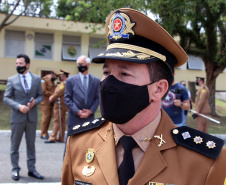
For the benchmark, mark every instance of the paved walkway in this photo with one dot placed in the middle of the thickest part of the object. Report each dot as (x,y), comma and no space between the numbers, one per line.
(49,161)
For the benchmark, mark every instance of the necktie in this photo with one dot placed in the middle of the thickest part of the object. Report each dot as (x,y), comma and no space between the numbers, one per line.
(25,85)
(85,87)
(126,169)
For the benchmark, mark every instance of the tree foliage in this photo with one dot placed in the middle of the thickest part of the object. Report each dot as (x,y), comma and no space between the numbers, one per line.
(37,8)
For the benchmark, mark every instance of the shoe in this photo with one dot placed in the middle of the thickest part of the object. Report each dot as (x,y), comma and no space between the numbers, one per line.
(49,141)
(44,137)
(15,175)
(35,175)
(59,141)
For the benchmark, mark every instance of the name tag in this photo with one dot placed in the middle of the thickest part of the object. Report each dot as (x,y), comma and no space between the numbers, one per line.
(82,183)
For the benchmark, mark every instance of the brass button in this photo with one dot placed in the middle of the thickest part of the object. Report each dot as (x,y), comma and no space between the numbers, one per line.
(175,131)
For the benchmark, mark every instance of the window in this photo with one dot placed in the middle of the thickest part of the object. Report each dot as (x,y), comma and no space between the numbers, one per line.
(195,63)
(43,45)
(14,43)
(96,46)
(71,47)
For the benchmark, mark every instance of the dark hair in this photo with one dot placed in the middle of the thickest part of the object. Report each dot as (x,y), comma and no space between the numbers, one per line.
(160,70)
(26,58)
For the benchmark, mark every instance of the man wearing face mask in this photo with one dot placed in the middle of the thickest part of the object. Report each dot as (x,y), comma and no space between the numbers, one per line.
(202,104)
(136,143)
(81,94)
(48,87)
(23,93)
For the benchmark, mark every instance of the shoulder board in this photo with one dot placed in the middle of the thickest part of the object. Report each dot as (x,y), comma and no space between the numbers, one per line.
(198,141)
(86,126)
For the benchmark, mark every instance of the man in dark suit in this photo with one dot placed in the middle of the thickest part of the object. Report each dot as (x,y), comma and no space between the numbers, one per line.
(23,93)
(81,94)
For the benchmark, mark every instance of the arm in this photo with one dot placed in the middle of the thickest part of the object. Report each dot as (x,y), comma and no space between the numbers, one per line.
(202,98)
(59,92)
(68,98)
(67,176)
(96,98)
(39,94)
(44,89)
(183,102)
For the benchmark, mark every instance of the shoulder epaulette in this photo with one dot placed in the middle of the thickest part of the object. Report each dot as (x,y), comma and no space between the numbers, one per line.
(86,126)
(198,141)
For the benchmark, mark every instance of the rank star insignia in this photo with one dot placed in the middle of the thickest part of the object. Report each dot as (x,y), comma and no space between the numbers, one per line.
(89,155)
(120,27)
(211,144)
(76,127)
(88,170)
(198,140)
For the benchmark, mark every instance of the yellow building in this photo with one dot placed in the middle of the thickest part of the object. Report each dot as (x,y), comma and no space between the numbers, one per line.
(56,44)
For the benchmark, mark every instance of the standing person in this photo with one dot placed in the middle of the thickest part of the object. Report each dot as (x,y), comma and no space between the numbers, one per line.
(185,115)
(137,75)
(48,87)
(59,115)
(176,102)
(23,93)
(81,94)
(202,104)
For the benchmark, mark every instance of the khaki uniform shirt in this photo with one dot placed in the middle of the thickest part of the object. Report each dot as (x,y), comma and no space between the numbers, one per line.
(59,93)
(202,100)
(48,88)
(175,155)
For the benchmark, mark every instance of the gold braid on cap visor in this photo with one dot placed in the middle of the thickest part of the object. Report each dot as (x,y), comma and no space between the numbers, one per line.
(138,49)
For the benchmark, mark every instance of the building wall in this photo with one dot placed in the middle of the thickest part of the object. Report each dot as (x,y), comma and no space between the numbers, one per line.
(59,28)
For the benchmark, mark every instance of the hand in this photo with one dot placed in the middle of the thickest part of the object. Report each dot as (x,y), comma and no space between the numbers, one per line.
(177,102)
(50,99)
(88,112)
(24,109)
(194,116)
(31,104)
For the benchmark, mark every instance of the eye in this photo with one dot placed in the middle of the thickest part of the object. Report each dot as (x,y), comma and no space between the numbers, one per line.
(106,73)
(124,74)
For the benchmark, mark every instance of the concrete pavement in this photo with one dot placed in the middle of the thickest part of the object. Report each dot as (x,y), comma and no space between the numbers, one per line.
(49,161)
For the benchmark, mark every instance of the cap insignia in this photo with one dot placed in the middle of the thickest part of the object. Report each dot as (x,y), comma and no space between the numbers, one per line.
(120,27)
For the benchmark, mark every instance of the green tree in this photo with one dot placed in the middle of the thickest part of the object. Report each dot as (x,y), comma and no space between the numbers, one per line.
(38,8)
(201,25)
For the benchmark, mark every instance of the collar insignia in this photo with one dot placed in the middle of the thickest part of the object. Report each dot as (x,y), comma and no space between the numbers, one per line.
(161,140)
(120,27)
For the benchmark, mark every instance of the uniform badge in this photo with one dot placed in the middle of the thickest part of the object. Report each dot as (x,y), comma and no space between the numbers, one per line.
(155,183)
(186,135)
(198,140)
(211,144)
(89,155)
(120,27)
(76,127)
(88,170)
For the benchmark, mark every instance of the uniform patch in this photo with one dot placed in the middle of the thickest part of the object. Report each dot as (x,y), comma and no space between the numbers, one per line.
(199,141)
(203,91)
(82,183)
(62,87)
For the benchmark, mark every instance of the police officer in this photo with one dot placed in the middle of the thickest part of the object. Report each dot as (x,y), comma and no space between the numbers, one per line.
(48,88)
(59,112)
(202,104)
(136,142)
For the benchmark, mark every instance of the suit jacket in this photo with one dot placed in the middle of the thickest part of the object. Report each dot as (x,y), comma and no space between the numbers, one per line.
(202,100)
(74,98)
(15,95)
(169,163)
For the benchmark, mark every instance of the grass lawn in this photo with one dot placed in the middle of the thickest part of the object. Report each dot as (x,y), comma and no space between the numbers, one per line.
(214,128)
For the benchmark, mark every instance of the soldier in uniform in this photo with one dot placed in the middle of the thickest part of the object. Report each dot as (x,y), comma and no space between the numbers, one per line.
(48,88)
(202,104)
(136,143)
(59,112)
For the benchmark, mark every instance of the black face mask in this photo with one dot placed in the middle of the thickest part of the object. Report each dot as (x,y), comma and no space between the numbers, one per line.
(120,101)
(21,69)
(82,68)
(197,83)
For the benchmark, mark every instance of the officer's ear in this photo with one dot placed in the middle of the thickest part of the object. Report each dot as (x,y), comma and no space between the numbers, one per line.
(157,90)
